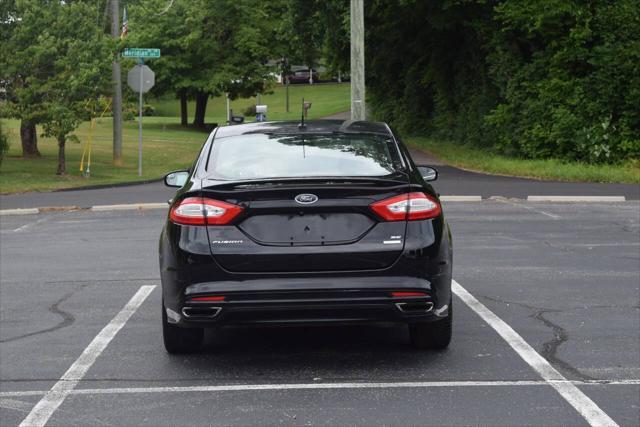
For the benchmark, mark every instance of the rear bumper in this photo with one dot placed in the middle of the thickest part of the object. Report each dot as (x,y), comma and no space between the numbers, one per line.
(307,301)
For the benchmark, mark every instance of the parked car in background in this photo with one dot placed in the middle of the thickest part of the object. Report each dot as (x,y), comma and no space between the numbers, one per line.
(302,76)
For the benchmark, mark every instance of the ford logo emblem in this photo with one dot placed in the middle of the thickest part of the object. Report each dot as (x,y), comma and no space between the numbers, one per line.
(306,199)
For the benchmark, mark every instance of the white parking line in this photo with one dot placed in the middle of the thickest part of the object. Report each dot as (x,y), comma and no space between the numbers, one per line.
(53,398)
(572,394)
(43,410)
(30,224)
(529,208)
(313,386)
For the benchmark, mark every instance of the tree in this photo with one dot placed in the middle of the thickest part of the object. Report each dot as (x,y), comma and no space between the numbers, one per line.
(336,48)
(303,28)
(57,59)
(11,75)
(549,78)
(4,143)
(209,47)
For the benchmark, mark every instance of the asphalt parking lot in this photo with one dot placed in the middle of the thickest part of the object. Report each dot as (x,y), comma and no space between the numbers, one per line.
(546,332)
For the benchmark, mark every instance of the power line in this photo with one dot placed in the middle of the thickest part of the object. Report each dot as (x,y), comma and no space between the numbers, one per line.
(166,9)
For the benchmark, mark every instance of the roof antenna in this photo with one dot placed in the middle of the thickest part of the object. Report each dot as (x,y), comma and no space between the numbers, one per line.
(302,125)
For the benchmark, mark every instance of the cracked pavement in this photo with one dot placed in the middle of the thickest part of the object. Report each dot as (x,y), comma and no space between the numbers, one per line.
(568,283)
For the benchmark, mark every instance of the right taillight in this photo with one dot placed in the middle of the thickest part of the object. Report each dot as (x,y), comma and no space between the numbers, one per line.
(410,206)
(202,211)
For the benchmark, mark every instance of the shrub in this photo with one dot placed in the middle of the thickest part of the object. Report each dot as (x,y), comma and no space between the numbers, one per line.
(4,143)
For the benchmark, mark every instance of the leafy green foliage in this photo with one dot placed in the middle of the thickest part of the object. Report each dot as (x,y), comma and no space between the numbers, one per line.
(542,79)
(208,46)
(4,144)
(54,61)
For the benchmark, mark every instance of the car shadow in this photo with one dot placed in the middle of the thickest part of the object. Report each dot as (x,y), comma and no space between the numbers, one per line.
(346,352)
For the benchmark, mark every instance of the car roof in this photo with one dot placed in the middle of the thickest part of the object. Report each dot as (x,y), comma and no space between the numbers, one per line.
(310,127)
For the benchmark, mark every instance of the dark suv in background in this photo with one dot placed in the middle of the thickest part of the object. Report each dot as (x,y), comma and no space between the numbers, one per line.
(302,76)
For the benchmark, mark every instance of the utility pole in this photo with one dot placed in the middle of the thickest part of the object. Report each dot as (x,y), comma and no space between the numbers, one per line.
(117,87)
(358,111)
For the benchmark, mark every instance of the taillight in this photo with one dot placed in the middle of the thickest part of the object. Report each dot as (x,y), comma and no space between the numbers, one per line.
(411,206)
(201,211)
(407,294)
(209,298)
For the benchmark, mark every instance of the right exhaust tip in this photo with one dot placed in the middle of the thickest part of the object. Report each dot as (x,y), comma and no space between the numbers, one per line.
(200,312)
(418,307)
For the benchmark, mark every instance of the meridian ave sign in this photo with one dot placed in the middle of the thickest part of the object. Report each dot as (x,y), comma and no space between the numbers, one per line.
(140,52)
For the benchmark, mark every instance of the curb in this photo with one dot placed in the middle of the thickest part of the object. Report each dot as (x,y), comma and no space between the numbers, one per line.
(129,207)
(164,205)
(576,199)
(460,198)
(98,208)
(106,186)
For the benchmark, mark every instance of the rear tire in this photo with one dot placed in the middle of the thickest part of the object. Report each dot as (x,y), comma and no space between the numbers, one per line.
(180,340)
(434,335)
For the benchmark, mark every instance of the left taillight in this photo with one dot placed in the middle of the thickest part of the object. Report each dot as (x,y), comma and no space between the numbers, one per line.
(410,206)
(203,211)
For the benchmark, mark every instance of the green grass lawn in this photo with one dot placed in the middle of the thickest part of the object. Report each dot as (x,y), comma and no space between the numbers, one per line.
(326,99)
(551,169)
(166,145)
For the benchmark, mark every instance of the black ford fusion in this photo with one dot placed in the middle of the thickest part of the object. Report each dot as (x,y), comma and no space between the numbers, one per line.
(329,222)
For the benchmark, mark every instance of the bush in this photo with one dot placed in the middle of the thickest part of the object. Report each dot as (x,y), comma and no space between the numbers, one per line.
(4,143)
(249,111)
(130,111)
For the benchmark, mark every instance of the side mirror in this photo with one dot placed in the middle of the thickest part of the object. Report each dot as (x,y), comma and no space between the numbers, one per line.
(176,179)
(428,173)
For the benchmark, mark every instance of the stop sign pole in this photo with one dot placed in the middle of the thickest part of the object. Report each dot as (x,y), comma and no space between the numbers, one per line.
(140,64)
(140,79)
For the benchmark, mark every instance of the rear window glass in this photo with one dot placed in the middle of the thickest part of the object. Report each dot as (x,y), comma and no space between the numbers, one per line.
(258,156)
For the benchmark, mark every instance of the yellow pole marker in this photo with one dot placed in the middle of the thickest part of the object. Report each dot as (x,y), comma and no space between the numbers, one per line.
(87,147)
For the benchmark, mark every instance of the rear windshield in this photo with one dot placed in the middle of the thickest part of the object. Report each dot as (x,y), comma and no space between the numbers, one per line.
(258,156)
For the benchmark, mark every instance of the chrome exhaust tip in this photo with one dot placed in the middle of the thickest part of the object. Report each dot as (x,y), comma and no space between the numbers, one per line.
(200,312)
(420,307)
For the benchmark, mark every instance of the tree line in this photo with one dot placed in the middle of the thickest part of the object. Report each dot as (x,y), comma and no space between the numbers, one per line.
(533,79)
(550,78)
(55,56)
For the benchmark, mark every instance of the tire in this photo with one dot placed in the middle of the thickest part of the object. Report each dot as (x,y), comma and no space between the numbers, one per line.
(180,340)
(434,335)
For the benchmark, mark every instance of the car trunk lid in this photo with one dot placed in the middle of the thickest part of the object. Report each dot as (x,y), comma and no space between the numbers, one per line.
(306,226)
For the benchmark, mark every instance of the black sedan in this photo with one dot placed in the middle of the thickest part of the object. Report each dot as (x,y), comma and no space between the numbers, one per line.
(327,222)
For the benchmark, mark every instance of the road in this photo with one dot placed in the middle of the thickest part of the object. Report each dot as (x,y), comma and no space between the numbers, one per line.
(564,277)
(451,181)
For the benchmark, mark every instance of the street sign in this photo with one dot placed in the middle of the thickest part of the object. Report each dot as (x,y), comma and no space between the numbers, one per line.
(141,83)
(138,52)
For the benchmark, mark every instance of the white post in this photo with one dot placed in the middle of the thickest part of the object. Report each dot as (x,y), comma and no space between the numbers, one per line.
(140,124)
(358,111)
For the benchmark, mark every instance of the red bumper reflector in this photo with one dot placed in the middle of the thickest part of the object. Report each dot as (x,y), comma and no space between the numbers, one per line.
(207,299)
(408,294)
